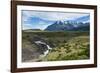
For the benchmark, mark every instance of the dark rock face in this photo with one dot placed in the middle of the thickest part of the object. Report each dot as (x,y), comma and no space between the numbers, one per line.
(29,53)
(42,48)
(42,45)
(38,38)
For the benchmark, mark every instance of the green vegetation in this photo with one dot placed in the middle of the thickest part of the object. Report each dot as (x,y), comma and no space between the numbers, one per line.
(74,49)
(68,45)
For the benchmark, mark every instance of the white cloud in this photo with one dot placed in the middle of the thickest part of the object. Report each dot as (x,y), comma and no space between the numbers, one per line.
(52,16)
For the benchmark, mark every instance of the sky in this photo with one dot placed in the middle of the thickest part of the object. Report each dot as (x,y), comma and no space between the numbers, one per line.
(42,19)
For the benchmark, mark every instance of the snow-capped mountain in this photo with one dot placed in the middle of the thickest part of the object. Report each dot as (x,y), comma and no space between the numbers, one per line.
(79,24)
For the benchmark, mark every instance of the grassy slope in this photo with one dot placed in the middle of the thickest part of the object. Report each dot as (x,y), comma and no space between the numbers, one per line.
(67,45)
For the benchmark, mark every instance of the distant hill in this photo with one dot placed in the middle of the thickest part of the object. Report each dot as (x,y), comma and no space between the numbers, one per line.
(30,30)
(68,26)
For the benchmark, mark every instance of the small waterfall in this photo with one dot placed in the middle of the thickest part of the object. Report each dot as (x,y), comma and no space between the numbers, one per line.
(48,47)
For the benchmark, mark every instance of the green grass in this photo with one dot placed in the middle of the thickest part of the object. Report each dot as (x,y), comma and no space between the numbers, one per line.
(68,45)
(74,49)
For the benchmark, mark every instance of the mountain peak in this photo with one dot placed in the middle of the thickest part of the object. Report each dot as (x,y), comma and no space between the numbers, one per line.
(59,26)
(58,22)
(68,26)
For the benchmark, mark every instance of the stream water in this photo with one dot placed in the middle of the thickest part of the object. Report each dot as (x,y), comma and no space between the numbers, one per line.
(43,43)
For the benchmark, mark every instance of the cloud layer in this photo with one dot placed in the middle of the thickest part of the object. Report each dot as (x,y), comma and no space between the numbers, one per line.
(41,19)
